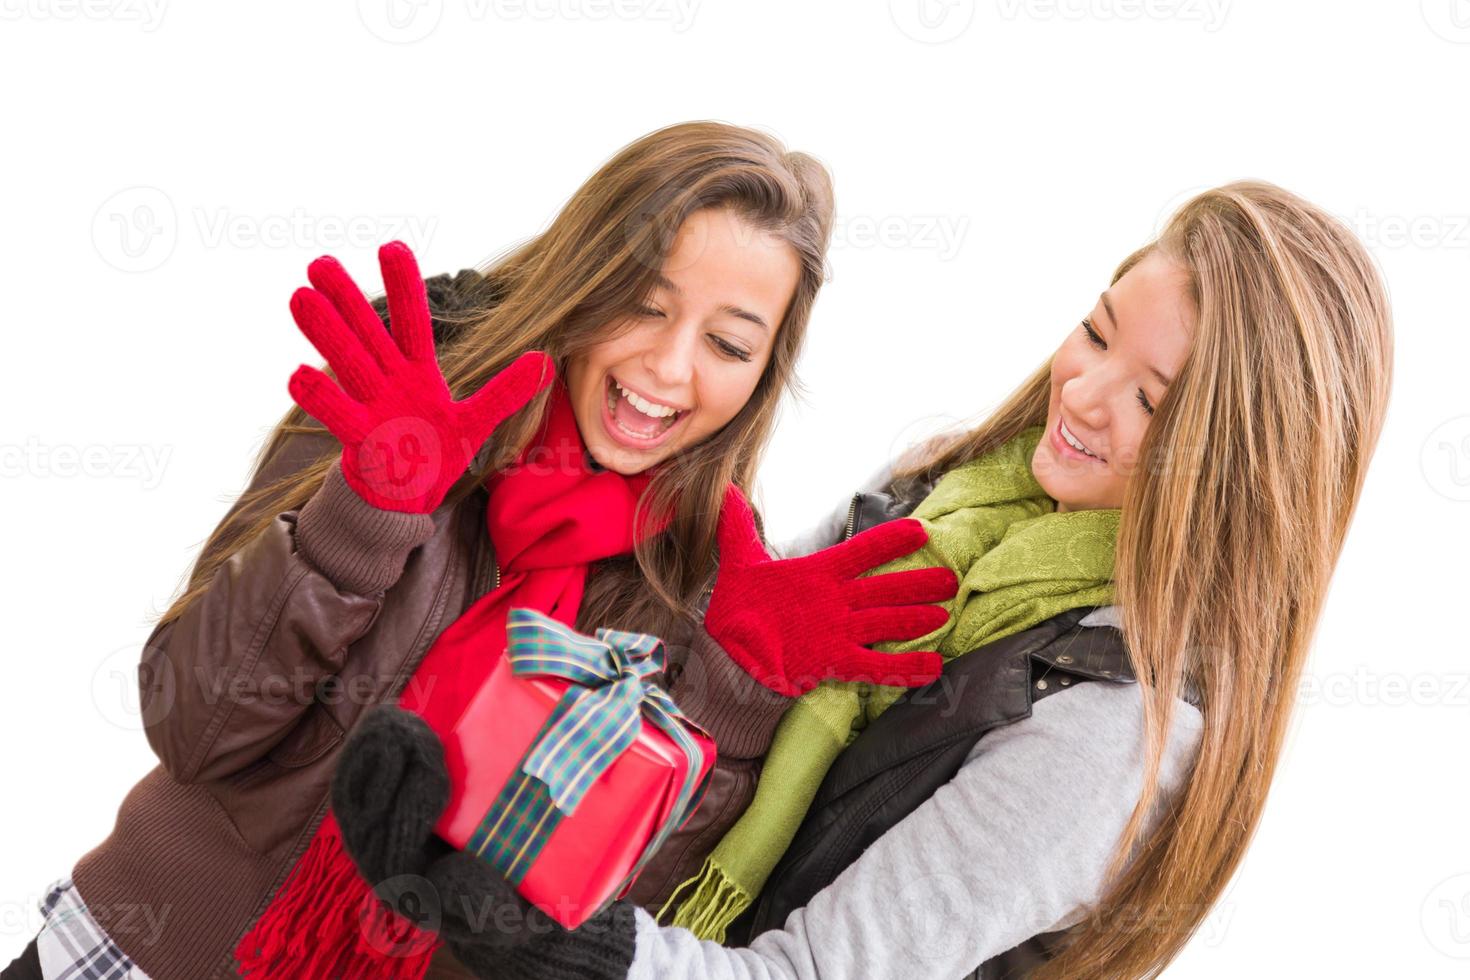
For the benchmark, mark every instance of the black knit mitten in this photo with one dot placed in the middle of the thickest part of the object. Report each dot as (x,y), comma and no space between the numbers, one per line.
(599,949)
(388,791)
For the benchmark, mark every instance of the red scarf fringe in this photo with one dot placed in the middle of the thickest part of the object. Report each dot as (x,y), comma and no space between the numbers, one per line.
(326,922)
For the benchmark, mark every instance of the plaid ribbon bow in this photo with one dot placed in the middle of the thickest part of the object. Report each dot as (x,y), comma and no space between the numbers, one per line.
(595,721)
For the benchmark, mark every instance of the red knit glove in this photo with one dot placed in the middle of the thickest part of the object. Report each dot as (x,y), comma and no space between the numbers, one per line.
(405,441)
(794,623)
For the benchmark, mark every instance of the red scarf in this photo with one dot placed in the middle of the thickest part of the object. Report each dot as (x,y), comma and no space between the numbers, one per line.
(550,515)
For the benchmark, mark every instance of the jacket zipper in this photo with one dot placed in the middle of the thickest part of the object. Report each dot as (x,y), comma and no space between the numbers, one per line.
(482,574)
(851,515)
(486,579)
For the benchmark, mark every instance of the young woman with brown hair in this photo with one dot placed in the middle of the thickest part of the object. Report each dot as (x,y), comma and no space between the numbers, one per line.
(561,432)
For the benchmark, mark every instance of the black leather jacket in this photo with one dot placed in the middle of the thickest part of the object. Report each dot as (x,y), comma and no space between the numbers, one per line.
(911,750)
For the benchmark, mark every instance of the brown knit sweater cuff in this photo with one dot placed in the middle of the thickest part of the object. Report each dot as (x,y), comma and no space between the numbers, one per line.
(739,713)
(361,548)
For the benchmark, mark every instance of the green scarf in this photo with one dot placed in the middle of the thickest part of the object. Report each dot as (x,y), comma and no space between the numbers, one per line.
(1019,563)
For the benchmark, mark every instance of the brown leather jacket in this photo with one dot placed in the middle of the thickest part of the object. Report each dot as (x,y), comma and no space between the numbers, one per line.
(248,696)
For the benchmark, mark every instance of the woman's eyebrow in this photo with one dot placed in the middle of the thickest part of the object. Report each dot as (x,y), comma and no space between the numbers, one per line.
(664,282)
(1107,306)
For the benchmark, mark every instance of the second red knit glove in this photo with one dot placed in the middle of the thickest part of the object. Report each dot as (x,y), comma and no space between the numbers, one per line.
(793,623)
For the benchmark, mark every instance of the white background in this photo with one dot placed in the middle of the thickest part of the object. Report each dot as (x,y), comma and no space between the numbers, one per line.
(170,169)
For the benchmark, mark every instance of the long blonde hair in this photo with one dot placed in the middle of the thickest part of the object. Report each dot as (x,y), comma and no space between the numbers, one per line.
(559,292)
(1254,459)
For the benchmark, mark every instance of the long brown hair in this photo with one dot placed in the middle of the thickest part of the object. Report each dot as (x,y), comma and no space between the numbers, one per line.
(1254,459)
(561,292)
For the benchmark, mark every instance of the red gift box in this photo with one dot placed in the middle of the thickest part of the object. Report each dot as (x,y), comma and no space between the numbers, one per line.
(592,851)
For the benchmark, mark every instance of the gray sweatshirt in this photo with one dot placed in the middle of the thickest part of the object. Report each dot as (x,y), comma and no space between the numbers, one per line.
(961,879)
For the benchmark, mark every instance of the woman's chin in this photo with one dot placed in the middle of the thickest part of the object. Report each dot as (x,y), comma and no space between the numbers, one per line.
(1057,490)
(619,459)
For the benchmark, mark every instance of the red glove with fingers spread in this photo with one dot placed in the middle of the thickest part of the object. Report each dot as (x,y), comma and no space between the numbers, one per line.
(796,622)
(405,441)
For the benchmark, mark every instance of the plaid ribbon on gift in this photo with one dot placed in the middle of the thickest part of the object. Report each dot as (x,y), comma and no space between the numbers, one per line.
(595,721)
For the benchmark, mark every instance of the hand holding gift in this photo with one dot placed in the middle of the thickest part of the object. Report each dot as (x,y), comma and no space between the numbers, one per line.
(565,772)
(570,767)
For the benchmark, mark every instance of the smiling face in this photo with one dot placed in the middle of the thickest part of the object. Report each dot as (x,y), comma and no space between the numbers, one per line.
(685,364)
(1106,379)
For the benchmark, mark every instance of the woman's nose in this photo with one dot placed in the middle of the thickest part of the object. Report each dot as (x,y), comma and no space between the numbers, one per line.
(1085,398)
(670,359)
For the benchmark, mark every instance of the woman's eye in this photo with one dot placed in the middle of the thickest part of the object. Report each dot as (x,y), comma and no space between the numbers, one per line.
(1098,342)
(649,311)
(729,349)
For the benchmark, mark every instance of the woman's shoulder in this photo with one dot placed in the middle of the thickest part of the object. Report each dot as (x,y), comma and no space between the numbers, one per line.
(451,296)
(1095,733)
(1071,775)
